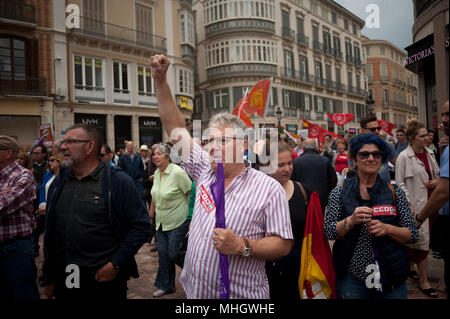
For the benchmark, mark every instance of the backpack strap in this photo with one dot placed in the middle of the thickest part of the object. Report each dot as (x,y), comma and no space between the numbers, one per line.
(303,193)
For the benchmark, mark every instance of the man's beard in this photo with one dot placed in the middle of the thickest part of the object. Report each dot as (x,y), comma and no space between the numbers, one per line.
(67,163)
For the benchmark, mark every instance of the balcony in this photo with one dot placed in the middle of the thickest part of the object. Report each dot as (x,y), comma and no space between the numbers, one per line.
(412,87)
(328,50)
(246,25)
(349,58)
(107,31)
(25,86)
(122,96)
(329,84)
(146,98)
(318,46)
(337,54)
(297,76)
(187,52)
(356,91)
(302,39)
(401,105)
(399,83)
(17,11)
(242,69)
(288,33)
(89,93)
(384,78)
(340,87)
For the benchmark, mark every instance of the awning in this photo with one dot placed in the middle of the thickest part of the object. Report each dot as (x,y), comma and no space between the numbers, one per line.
(419,53)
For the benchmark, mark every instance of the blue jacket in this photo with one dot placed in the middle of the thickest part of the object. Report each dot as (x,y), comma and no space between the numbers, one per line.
(132,166)
(127,213)
(47,177)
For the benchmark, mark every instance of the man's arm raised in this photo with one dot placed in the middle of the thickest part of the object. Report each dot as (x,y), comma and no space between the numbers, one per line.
(169,113)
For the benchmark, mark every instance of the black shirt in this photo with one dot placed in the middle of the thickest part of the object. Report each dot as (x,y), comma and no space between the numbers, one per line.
(84,235)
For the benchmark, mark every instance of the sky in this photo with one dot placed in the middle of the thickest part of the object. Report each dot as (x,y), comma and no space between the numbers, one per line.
(396,19)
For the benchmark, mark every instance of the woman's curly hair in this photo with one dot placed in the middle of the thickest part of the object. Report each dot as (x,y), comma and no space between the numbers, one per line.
(357,142)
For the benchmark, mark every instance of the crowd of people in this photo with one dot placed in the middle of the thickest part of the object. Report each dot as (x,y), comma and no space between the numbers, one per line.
(385,203)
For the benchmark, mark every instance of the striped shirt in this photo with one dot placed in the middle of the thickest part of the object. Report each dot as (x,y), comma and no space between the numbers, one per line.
(255,207)
(17,192)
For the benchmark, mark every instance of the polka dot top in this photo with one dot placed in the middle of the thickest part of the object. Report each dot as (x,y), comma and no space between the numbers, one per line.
(363,254)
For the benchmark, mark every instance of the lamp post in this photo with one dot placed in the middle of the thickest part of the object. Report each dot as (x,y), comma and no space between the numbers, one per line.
(278,114)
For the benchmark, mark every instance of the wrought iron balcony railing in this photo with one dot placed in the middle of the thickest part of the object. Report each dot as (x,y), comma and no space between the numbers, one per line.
(24,86)
(288,33)
(18,11)
(120,33)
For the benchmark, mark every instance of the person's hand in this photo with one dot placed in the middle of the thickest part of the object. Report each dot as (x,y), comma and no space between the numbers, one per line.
(443,142)
(159,64)
(361,214)
(106,273)
(49,291)
(226,242)
(377,228)
(41,211)
(150,178)
(345,171)
(432,184)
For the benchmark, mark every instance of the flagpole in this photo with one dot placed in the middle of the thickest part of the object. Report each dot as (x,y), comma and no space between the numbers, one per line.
(242,103)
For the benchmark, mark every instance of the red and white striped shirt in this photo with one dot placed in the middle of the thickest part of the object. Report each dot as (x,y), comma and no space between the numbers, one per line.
(255,207)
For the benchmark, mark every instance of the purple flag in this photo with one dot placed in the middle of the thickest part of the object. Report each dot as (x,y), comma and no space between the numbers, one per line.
(218,194)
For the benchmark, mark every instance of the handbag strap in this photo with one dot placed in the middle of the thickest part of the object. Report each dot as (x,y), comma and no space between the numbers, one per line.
(303,193)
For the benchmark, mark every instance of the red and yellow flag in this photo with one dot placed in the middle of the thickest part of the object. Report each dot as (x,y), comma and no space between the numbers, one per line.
(317,277)
(241,113)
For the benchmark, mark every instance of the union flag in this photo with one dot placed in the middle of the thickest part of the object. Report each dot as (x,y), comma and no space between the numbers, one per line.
(341,118)
(386,126)
(317,276)
(241,113)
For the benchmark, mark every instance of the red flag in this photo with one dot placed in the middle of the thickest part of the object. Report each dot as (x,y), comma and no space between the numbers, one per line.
(341,118)
(315,131)
(256,100)
(386,126)
(334,135)
(317,276)
(242,114)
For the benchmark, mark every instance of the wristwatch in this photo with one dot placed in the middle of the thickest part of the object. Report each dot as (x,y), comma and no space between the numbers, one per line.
(346,225)
(247,250)
(418,219)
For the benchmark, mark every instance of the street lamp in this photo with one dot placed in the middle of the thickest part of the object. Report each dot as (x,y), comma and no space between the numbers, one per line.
(279,113)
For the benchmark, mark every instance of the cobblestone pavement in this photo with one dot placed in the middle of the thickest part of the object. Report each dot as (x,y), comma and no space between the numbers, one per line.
(143,288)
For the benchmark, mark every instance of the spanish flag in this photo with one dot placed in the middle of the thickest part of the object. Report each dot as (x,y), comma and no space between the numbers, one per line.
(317,277)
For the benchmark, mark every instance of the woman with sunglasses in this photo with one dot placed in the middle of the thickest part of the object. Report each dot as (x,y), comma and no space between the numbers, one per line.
(170,199)
(370,221)
(417,172)
(54,166)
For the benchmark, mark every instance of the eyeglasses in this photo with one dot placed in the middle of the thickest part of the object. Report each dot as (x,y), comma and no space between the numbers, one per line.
(70,141)
(53,160)
(373,129)
(365,155)
(222,140)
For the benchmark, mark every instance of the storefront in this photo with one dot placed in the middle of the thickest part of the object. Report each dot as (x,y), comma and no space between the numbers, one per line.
(150,130)
(96,120)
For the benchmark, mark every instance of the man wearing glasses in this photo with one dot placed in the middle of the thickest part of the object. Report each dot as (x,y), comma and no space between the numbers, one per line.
(370,125)
(96,223)
(17,222)
(256,207)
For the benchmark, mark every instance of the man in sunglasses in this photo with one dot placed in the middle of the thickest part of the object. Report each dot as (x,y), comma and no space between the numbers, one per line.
(96,222)
(256,207)
(370,125)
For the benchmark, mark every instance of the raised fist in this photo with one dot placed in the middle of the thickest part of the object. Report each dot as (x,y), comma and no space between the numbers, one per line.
(159,65)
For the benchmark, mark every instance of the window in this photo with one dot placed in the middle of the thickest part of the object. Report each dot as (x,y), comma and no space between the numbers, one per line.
(187,28)
(358,81)
(300,26)
(346,24)
(144,23)
(337,44)
(303,60)
(383,71)
(315,29)
(88,72)
(221,99)
(120,71)
(319,106)
(185,81)
(307,104)
(328,71)
(218,10)
(285,18)
(94,16)
(385,95)
(354,28)
(333,17)
(145,81)
(326,42)
(357,55)
(318,70)
(242,50)
(350,79)
(348,49)
(286,100)
(382,51)
(371,93)
(12,58)
(368,50)
(369,71)
(289,63)
(338,75)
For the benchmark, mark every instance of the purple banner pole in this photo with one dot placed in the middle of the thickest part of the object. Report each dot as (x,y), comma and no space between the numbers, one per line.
(218,194)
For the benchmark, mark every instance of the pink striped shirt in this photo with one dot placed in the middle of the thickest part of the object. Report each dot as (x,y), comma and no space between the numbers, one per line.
(255,207)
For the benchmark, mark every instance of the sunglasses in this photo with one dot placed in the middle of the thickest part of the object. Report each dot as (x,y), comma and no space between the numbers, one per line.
(365,155)
(53,160)
(373,129)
